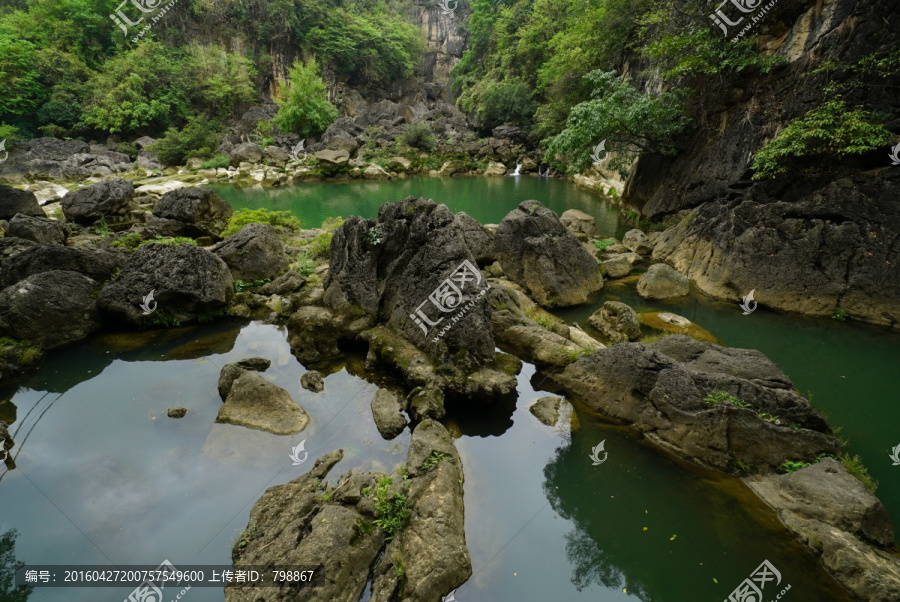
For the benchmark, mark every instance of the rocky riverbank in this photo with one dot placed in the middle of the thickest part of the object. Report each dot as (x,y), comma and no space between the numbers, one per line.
(431,295)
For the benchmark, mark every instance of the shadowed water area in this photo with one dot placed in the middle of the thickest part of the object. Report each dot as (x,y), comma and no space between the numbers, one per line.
(104,476)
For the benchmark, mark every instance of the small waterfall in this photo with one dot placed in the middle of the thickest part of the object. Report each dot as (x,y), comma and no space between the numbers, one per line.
(518,168)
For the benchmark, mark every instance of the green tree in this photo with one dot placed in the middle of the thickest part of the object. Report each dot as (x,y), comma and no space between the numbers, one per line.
(505,102)
(631,122)
(304,108)
(199,138)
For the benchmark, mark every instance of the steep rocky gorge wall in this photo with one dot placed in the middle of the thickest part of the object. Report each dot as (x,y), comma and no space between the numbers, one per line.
(819,238)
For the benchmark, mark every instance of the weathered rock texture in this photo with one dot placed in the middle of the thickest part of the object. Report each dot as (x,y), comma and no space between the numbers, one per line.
(256,403)
(14,200)
(616,321)
(190,212)
(294,525)
(254,252)
(186,281)
(659,390)
(113,199)
(539,253)
(38,229)
(834,514)
(50,309)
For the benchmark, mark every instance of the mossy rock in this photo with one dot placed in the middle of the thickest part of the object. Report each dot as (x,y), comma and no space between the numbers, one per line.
(653,320)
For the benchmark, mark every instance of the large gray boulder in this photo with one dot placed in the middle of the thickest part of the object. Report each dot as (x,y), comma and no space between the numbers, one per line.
(332,160)
(579,223)
(110,198)
(14,200)
(835,516)
(185,280)
(662,282)
(256,403)
(616,321)
(254,252)
(190,212)
(51,309)
(390,267)
(246,152)
(25,260)
(663,390)
(39,229)
(538,252)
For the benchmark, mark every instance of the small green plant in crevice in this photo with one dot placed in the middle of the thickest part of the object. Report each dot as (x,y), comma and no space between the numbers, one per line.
(854,466)
(603,243)
(280,220)
(391,507)
(768,417)
(130,241)
(361,529)
(793,466)
(102,228)
(435,458)
(743,467)
(240,286)
(374,237)
(170,240)
(163,317)
(304,264)
(211,316)
(719,397)
(839,314)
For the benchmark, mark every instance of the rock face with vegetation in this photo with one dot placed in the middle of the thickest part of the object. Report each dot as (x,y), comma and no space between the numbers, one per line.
(405,530)
(538,252)
(729,409)
(186,281)
(833,514)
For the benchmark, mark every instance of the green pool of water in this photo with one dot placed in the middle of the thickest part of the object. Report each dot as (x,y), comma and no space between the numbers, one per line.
(105,477)
(486,199)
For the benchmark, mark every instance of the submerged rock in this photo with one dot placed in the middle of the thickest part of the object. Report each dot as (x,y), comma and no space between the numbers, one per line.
(176,412)
(312,381)
(539,253)
(675,324)
(51,309)
(662,282)
(546,409)
(388,414)
(712,405)
(256,403)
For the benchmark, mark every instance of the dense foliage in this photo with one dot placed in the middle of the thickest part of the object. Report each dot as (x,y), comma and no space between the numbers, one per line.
(304,108)
(67,69)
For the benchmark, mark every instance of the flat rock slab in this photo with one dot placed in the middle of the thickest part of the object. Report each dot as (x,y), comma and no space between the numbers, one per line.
(256,403)
(546,409)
